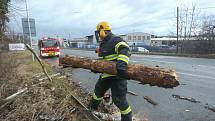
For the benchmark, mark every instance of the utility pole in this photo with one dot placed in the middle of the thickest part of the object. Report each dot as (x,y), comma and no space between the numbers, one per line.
(13,35)
(69,40)
(133,40)
(213,27)
(19,38)
(69,36)
(177,30)
(29,28)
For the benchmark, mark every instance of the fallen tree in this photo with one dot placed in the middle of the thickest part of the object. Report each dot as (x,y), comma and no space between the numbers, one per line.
(139,72)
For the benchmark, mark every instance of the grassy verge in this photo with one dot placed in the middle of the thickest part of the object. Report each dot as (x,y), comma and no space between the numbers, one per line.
(33,66)
(43,100)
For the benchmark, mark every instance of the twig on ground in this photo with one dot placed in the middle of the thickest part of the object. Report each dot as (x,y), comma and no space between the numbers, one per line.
(131,93)
(43,67)
(148,99)
(9,99)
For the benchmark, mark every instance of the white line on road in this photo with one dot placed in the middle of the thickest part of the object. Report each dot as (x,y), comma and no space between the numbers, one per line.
(213,67)
(195,75)
(134,61)
(142,60)
(163,61)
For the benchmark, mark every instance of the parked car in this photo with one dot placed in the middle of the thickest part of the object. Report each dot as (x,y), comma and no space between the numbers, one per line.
(140,49)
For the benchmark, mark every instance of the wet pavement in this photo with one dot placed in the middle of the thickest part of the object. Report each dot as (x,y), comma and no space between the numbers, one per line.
(197,79)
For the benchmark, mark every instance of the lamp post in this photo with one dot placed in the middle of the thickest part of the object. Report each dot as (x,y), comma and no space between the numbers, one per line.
(29,29)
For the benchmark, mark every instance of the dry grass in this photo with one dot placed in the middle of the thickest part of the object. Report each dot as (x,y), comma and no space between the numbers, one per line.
(8,73)
(42,100)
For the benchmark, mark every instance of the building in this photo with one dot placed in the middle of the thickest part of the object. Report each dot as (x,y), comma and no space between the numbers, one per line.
(137,38)
(133,39)
(92,39)
(169,41)
(163,41)
(83,42)
(78,42)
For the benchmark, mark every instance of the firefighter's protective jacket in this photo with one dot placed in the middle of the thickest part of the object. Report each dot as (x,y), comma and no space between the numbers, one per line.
(114,48)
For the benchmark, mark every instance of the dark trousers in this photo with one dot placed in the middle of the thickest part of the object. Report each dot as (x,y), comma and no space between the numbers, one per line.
(118,91)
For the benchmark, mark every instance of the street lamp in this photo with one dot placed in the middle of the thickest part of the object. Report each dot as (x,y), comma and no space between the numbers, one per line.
(29,28)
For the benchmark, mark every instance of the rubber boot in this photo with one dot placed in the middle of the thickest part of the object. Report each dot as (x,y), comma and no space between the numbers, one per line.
(93,105)
(127,117)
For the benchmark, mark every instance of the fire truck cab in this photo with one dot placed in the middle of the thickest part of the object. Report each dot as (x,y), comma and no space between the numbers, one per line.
(49,47)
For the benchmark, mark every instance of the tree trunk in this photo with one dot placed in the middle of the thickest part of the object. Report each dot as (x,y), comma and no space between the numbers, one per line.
(141,73)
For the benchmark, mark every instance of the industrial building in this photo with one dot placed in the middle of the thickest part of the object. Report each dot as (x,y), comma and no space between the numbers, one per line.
(79,42)
(137,38)
(163,41)
(133,39)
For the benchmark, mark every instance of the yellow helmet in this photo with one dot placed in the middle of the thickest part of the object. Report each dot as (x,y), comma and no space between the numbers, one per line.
(101,28)
(103,25)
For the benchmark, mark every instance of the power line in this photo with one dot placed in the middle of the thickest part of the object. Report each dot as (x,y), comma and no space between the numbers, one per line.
(190,9)
(16,7)
(14,13)
(207,8)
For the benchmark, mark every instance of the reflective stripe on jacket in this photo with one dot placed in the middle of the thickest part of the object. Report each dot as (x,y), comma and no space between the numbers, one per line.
(113,48)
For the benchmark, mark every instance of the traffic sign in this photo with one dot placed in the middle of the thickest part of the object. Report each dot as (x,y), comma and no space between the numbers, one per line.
(25,27)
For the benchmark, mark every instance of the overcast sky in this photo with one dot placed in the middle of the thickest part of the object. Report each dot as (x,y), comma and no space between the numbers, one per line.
(80,17)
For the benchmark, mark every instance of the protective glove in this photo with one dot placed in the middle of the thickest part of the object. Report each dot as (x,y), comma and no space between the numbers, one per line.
(122,74)
(94,71)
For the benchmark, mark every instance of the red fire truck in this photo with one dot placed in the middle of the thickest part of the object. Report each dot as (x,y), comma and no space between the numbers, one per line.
(49,47)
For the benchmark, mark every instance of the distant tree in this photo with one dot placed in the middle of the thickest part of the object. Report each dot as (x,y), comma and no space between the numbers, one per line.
(3,15)
(196,33)
(189,25)
(207,28)
(206,34)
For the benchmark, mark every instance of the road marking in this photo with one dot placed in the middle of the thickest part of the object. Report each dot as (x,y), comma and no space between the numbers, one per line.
(142,60)
(134,61)
(158,61)
(207,66)
(157,56)
(195,75)
(163,61)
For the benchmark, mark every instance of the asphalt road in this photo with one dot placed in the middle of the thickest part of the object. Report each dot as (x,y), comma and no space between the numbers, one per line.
(197,79)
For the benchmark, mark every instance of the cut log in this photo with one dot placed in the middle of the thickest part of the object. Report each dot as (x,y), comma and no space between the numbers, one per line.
(139,72)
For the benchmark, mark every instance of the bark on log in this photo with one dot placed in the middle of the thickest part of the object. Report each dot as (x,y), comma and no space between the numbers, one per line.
(139,72)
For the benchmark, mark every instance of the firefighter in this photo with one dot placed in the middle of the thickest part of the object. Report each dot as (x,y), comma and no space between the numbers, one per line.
(112,48)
